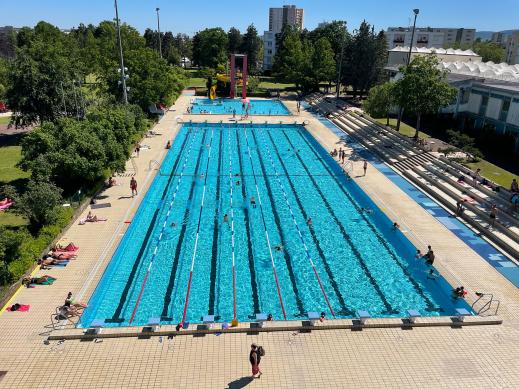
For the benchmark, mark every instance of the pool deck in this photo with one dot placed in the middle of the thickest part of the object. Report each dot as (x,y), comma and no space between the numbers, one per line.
(429,357)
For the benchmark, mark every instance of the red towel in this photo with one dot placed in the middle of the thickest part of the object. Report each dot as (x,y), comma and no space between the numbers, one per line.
(23,308)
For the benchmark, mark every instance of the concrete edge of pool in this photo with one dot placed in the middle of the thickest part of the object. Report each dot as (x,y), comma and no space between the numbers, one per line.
(86,334)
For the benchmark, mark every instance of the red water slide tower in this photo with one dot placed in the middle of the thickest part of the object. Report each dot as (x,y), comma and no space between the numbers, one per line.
(233,75)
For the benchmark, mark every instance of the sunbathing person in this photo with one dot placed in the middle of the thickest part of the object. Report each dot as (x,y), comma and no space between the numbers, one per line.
(70,247)
(5,201)
(92,218)
(62,255)
(43,280)
(49,261)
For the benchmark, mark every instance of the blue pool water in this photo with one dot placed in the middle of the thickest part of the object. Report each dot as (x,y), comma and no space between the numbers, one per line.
(345,260)
(226,106)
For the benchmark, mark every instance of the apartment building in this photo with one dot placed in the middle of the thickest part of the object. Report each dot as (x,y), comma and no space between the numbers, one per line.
(429,37)
(278,18)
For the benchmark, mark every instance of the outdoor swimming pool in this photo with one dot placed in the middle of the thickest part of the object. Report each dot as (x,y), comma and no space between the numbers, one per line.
(182,258)
(226,106)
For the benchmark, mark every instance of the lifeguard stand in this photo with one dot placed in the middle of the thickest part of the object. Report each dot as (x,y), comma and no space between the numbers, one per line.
(232,91)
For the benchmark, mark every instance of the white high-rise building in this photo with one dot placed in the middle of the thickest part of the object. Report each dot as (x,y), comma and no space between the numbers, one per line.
(278,18)
(429,37)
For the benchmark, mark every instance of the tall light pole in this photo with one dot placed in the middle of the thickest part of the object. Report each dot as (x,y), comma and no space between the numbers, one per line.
(122,70)
(408,60)
(158,28)
(340,67)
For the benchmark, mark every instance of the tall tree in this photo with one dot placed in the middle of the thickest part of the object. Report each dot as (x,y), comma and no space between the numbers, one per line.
(210,47)
(169,51)
(423,88)
(364,59)
(323,62)
(43,79)
(184,45)
(251,46)
(336,33)
(235,40)
(380,101)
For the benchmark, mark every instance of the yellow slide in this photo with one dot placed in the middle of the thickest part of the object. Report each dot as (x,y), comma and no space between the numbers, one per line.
(212,92)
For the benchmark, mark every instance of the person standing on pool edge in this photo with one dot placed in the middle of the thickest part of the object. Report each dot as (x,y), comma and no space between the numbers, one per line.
(133,186)
(365,166)
(255,359)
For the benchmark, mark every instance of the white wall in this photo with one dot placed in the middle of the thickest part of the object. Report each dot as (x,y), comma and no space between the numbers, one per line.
(474,103)
(493,108)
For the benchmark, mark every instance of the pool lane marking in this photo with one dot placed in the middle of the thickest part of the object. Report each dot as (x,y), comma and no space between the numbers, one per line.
(178,248)
(265,227)
(186,304)
(179,181)
(344,308)
(430,305)
(354,249)
(250,255)
(303,242)
(214,249)
(140,255)
(232,226)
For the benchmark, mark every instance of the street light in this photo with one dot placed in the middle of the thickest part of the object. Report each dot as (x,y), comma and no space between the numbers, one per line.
(158,28)
(416,12)
(408,60)
(122,69)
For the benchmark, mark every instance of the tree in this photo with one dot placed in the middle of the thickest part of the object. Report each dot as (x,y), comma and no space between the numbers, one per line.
(251,46)
(184,45)
(43,79)
(210,47)
(235,40)
(336,33)
(40,203)
(364,59)
(169,51)
(380,101)
(323,63)
(290,61)
(423,88)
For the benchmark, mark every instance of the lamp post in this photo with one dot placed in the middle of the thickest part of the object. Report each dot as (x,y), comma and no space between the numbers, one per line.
(122,69)
(158,28)
(408,60)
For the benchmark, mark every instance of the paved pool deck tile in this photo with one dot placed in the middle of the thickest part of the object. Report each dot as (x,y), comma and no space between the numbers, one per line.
(471,357)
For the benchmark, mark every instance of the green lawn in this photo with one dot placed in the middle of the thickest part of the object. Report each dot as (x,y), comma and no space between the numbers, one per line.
(405,129)
(196,82)
(5,120)
(9,157)
(493,172)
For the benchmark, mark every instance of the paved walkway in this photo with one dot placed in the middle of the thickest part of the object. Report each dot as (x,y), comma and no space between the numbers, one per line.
(479,357)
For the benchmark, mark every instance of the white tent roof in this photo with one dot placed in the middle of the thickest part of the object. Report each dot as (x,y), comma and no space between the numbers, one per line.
(499,71)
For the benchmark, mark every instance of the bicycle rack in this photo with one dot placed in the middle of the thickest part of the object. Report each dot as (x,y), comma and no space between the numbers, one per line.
(487,305)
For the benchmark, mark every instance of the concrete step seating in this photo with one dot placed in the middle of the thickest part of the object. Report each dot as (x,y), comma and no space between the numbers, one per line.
(436,176)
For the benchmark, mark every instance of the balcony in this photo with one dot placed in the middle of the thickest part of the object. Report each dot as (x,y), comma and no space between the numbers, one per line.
(398,40)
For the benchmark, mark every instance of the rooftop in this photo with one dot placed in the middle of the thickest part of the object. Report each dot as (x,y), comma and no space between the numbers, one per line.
(432,50)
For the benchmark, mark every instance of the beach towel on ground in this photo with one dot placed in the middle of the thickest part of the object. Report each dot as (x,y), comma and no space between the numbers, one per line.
(21,308)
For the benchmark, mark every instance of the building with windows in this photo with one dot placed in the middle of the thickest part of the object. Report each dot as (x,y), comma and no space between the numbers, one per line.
(512,49)
(278,18)
(488,93)
(429,37)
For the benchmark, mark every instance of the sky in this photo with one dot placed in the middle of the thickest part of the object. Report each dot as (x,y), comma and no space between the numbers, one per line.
(189,16)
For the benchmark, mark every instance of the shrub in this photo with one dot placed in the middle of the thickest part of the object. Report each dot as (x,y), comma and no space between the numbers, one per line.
(40,203)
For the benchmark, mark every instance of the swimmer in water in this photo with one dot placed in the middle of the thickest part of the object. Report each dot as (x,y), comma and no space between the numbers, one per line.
(396,226)
(279,247)
(309,221)
(225,218)
(366,210)
(173,224)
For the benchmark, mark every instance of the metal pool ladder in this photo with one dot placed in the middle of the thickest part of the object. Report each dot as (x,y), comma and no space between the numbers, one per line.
(484,303)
